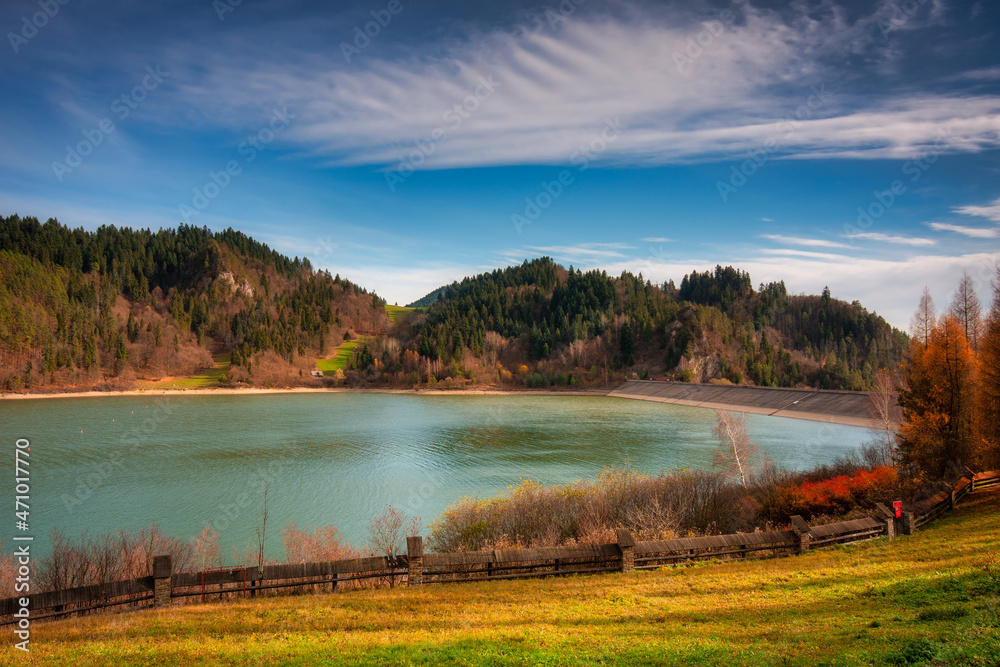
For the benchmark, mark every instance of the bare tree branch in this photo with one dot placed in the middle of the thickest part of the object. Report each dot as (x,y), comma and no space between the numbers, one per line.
(736,453)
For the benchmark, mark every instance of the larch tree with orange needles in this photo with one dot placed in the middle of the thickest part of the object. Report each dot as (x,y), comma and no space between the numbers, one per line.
(939,401)
(966,309)
(923,320)
(988,407)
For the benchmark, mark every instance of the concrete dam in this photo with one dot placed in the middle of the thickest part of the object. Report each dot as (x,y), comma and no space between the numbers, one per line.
(837,407)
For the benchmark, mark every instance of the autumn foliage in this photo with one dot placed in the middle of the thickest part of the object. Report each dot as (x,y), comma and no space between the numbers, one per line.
(949,397)
(834,496)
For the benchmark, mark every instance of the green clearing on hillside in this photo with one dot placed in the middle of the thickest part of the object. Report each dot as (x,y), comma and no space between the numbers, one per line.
(931,598)
(208,377)
(338,360)
(395,311)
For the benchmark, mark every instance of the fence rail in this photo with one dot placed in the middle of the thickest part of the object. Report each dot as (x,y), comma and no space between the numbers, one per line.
(417,568)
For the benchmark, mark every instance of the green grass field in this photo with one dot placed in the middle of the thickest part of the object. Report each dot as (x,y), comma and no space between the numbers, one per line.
(931,598)
(395,311)
(338,361)
(206,379)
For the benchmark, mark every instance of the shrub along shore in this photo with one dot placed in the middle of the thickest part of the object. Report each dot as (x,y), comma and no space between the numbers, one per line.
(927,598)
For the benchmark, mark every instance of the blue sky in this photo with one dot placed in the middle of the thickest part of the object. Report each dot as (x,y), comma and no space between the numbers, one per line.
(407,143)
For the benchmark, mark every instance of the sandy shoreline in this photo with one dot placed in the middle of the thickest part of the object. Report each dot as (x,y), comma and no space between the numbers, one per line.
(303,390)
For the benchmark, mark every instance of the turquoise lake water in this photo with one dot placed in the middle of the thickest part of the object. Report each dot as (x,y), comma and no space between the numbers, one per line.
(184,462)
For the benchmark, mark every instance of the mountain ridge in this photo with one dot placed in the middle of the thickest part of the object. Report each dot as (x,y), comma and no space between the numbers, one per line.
(116,307)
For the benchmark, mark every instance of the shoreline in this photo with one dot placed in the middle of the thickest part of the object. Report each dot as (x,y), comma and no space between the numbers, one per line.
(230,391)
(615,392)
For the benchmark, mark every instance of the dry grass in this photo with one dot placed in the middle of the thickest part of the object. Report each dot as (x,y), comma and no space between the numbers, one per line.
(583,512)
(932,595)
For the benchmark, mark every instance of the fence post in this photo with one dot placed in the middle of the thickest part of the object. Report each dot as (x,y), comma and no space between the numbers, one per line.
(256,576)
(414,561)
(162,571)
(909,523)
(627,544)
(890,520)
(801,529)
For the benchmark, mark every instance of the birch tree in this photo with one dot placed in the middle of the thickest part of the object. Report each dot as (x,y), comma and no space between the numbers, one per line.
(736,454)
(883,408)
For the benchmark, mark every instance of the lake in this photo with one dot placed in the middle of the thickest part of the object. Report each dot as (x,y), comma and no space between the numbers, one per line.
(184,462)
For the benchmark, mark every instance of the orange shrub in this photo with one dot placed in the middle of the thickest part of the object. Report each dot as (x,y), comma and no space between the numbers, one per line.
(837,495)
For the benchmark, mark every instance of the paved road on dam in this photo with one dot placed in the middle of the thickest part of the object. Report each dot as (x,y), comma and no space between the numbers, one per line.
(837,407)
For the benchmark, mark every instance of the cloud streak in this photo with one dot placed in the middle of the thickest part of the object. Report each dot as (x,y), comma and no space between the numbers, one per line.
(990,212)
(889,238)
(974,232)
(556,86)
(795,240)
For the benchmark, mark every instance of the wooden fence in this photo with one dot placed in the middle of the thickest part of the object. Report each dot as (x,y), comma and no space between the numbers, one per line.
(416,568)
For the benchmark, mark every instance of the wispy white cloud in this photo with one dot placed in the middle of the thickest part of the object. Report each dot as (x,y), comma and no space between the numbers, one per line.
(899,281)
(889,238)
(803,253)
(581,251)
(796,240)
(983,74)
(403,285)
(767,220)
(656,239)
(974,232)
(552,91)
(990,211)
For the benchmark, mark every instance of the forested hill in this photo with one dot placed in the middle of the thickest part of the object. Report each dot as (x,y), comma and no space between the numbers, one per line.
(116,307)
(81,308)
(567,324)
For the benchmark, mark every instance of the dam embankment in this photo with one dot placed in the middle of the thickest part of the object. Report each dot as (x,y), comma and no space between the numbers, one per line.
(837,407)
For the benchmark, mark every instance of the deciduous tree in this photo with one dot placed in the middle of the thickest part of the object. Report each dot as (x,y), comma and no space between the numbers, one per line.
(966,309)
(938,401)
(923,320)
(883,408)
(988,409)
(736,455)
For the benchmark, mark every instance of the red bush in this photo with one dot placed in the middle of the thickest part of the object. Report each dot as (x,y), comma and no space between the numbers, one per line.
(837,495)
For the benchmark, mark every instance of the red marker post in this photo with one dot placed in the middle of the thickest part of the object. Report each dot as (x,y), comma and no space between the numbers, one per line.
(897,505)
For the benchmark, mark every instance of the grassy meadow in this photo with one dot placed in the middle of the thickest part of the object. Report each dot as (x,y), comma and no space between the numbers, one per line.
(338,360)
(931,598)
(342,355)
(207,378)
(395,311)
